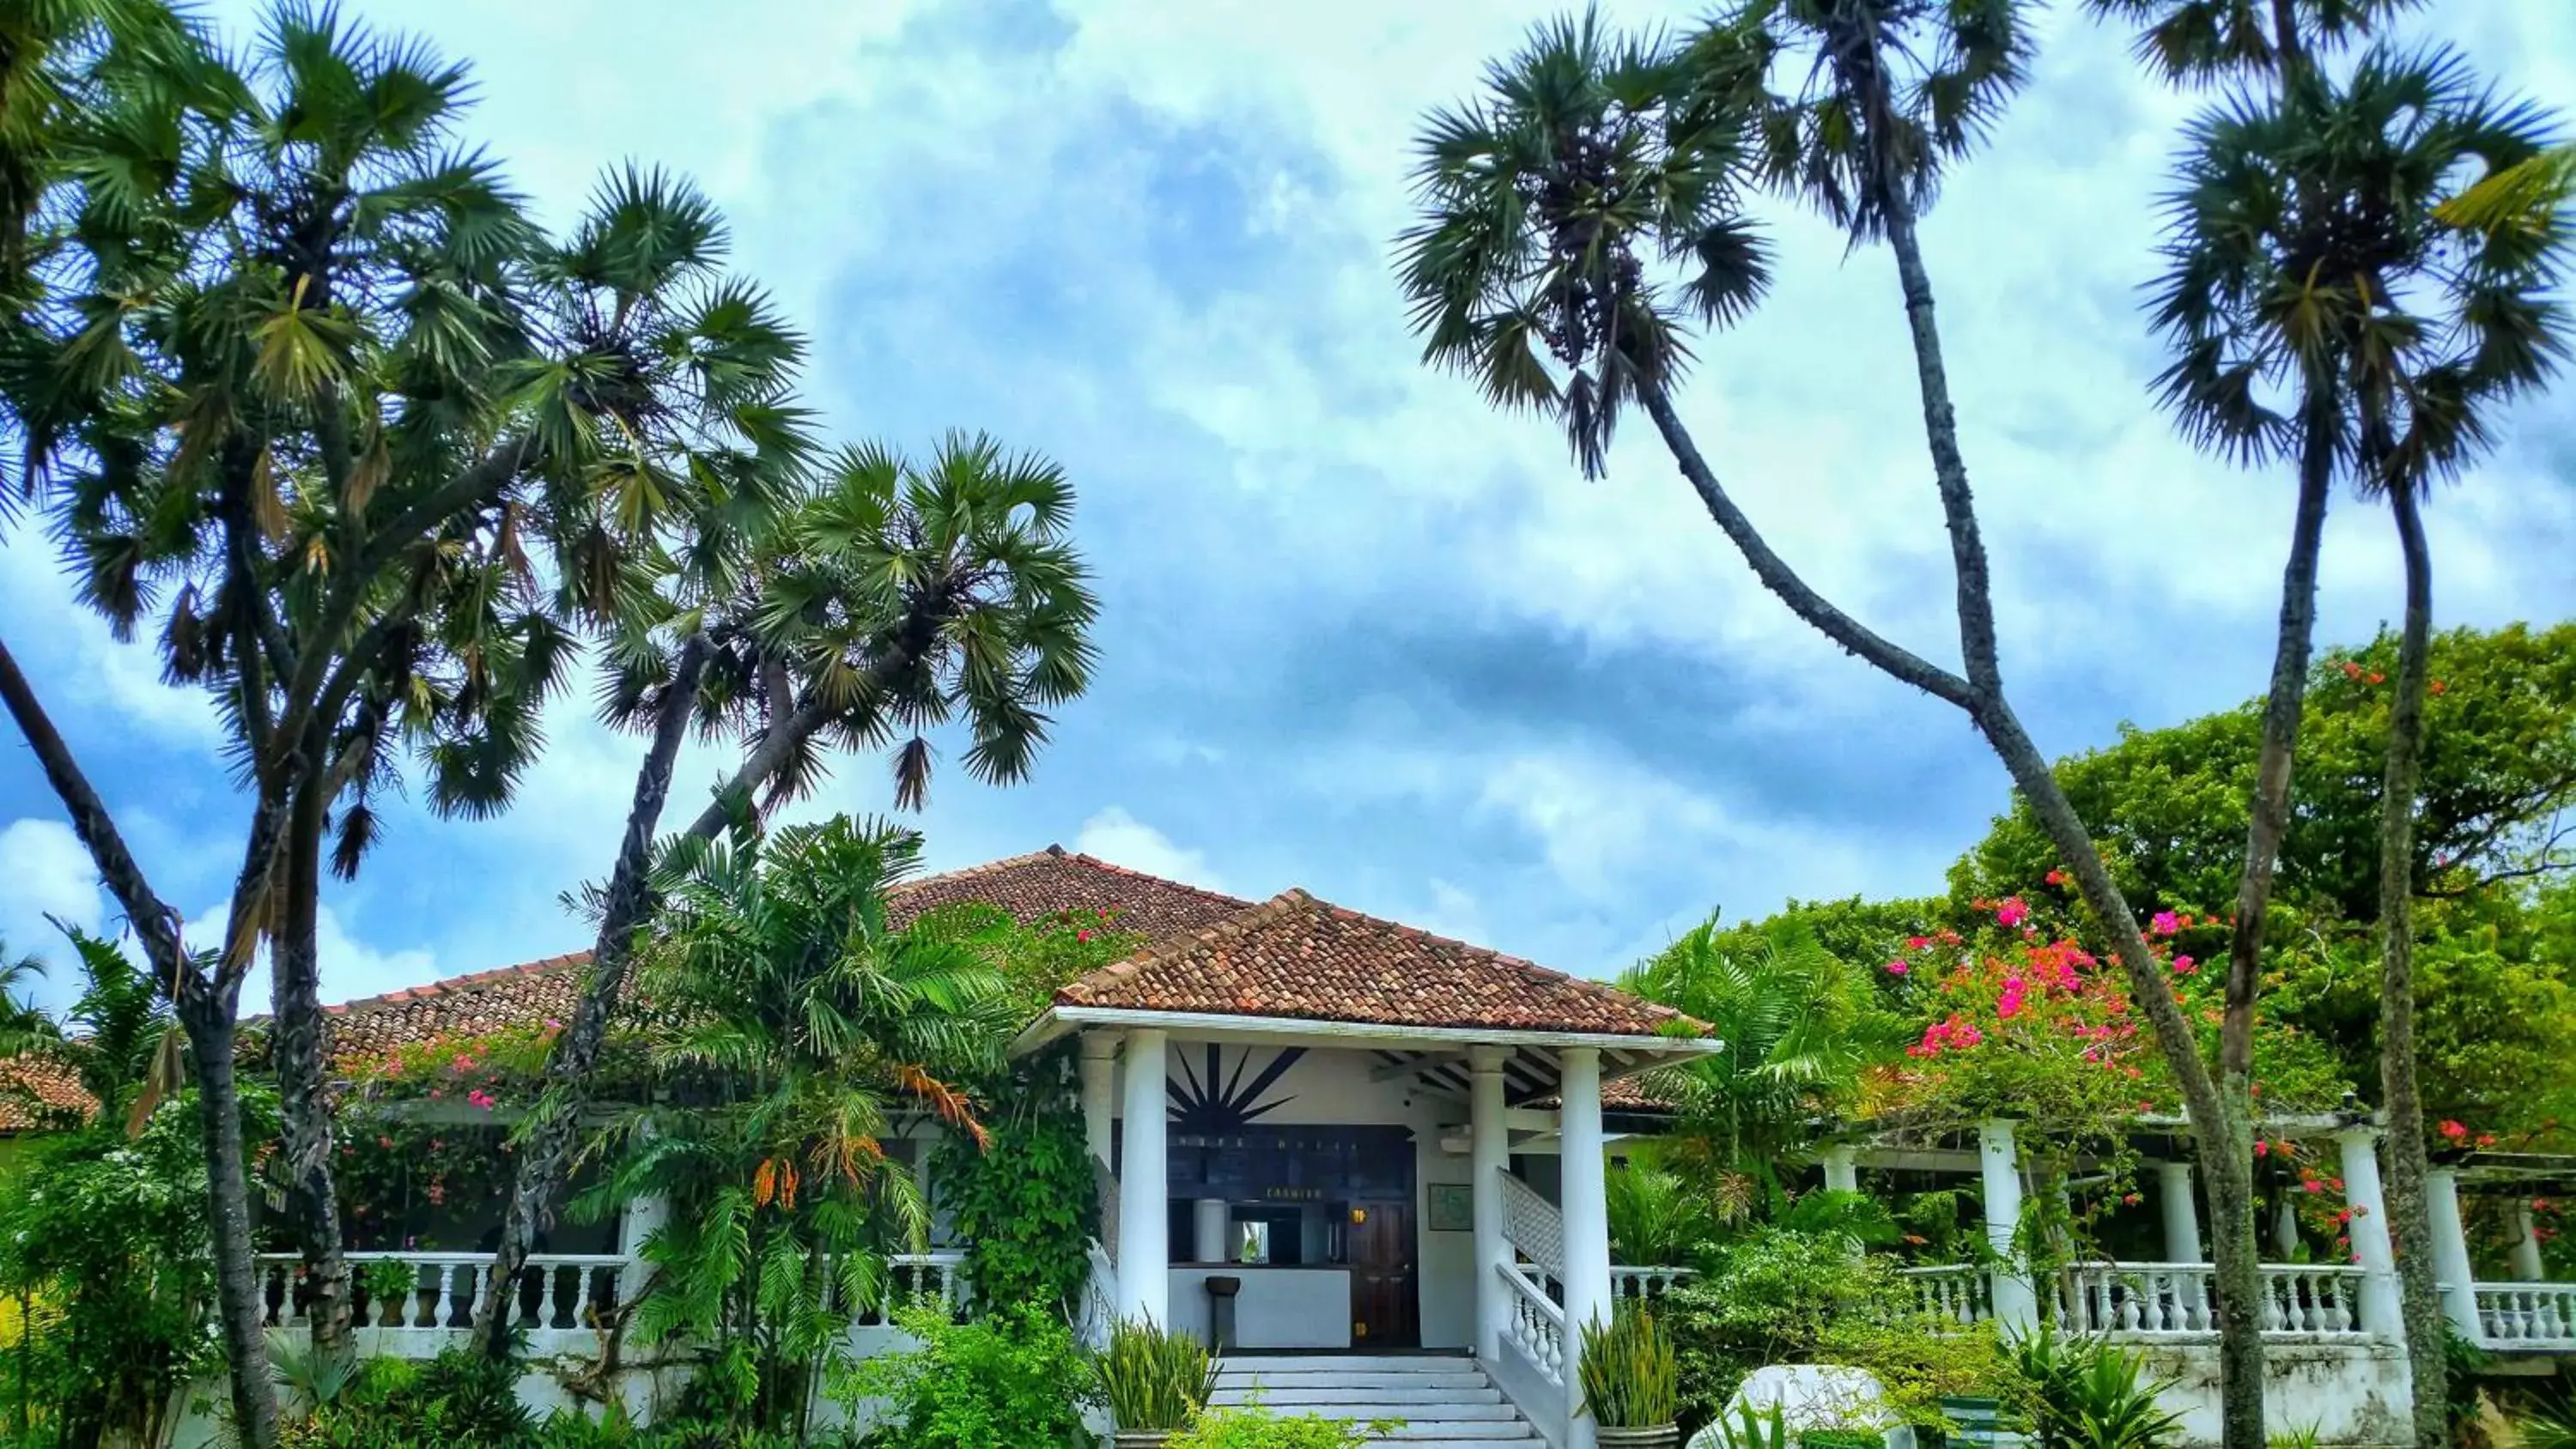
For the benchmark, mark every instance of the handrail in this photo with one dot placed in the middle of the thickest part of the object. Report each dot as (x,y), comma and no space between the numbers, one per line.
(1532,1225)
(1534,1325)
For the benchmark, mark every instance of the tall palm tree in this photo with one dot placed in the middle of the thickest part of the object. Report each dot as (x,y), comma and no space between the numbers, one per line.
(2202,41)
(894,598)
(794,1019)
(1801,1027)
(1857,107)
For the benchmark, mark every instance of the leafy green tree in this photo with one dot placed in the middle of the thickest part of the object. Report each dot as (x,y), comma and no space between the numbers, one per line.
(794,1019)
(895,597)
(1801,1025)
(1579,217)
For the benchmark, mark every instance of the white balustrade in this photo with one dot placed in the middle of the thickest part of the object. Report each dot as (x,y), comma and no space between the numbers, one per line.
(556,1290)
(2309,1298)
(2527,1315)
(2147,1299)
(917,1278)
(1956,1292)
(1535,1325)
(1644,1284)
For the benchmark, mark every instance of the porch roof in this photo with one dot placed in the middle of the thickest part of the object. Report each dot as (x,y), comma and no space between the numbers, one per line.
(1298,969)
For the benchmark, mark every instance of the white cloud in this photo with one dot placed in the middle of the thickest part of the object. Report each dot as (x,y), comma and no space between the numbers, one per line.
(1122,839)
(350,967)
(45,872)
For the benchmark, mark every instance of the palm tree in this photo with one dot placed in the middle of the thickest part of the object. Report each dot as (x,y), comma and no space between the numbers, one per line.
(794,1019)
(2321,308)
(894,598)
(1552,192)
(1801,1027)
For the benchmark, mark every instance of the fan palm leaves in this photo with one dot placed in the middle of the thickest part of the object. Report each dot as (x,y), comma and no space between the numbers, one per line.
(2308,270)
(2214,40)
(795,1021)
(1575,217)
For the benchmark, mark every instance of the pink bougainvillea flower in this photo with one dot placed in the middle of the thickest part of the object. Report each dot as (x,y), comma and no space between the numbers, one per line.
(2486,1139)
(2262,1149)
(2312,1185)
(1082,935)
(2351,670)
(2454,1131)
(2185,966)
(1917,943)
(2165,923)
(2012,912)
(2056,877)
(1897,968)
(553,1025)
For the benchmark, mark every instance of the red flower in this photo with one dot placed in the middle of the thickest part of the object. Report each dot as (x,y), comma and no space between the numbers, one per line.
(2057,877)
(2454,1131)
(2351,670)
(2012,912)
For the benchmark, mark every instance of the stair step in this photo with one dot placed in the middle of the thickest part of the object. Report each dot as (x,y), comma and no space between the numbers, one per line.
(1278,1396)
(1353,1379)
(1417,1411)
(1374,1362)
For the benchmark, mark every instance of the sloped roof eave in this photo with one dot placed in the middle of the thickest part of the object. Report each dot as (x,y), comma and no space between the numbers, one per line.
(1062,1019)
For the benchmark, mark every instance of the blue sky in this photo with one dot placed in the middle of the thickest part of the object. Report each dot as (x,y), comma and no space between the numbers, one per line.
(1361,635)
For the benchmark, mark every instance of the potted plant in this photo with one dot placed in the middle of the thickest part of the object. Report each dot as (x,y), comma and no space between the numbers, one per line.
(1155,1382)
(1631,1380)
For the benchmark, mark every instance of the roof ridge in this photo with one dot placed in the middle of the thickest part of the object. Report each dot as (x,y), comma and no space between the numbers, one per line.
(404,995)
(1095,862)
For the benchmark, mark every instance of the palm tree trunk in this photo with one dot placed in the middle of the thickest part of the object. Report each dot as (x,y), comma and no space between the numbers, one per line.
(547,1153)
(2220,1112)
(206,1011)
(300,1053)
(240,1308)
(2410,1221)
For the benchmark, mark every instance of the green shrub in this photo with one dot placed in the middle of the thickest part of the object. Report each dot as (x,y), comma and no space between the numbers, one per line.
(2081,1393)
(1253,1427)
(1012,1380)
(1154,1379)
(1842,1439)
(1630,1378)
(1026,1204)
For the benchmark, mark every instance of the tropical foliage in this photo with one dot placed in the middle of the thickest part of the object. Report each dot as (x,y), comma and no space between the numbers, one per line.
(793,1017)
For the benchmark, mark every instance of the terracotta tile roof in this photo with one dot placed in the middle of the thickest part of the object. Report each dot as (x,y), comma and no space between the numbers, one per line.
(34,1092)
(1030,887)
(1295,956)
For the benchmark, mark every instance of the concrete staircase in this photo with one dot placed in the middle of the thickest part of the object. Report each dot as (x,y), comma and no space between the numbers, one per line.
(1445,1402)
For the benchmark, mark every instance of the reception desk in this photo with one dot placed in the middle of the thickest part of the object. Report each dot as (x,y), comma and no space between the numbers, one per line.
(1278,1307)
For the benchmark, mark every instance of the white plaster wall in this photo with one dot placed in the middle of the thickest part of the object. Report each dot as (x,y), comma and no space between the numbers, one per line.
(1277,1307)
(2352,1393)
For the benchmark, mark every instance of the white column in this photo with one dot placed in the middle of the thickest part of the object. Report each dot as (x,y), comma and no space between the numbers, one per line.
(2182,1212)
(2528,1265)
(1100,1094)
(1842,1168)
(1489,1157)
(2451,1253)
(1211,1217)
(1144,1208)
(2016,1301)
(1586,1215)
(2368,1230)
(2285,1230)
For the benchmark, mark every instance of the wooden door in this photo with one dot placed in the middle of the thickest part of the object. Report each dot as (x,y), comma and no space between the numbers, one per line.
(1385,1293)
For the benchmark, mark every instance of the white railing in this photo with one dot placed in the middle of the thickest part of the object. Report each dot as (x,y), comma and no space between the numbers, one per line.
(1535,1325)
(1532,1225)
(1955,1291)
(2305,1298)
(2150,1299)
(2527,1315)
(442,1290)
(556,1290)
(1645,1283)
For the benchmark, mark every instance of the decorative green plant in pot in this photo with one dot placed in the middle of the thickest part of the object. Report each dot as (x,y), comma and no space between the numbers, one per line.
(1155,1382)
(1631,1380)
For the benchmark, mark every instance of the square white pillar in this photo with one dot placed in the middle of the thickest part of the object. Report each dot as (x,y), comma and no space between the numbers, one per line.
(1100,1094)
(1490,1156)
(2368,1230)
(2016,1302)
(1144,1201)
(2181,1208)
(2451,1253)
(1842,1168)
(1585,1212)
